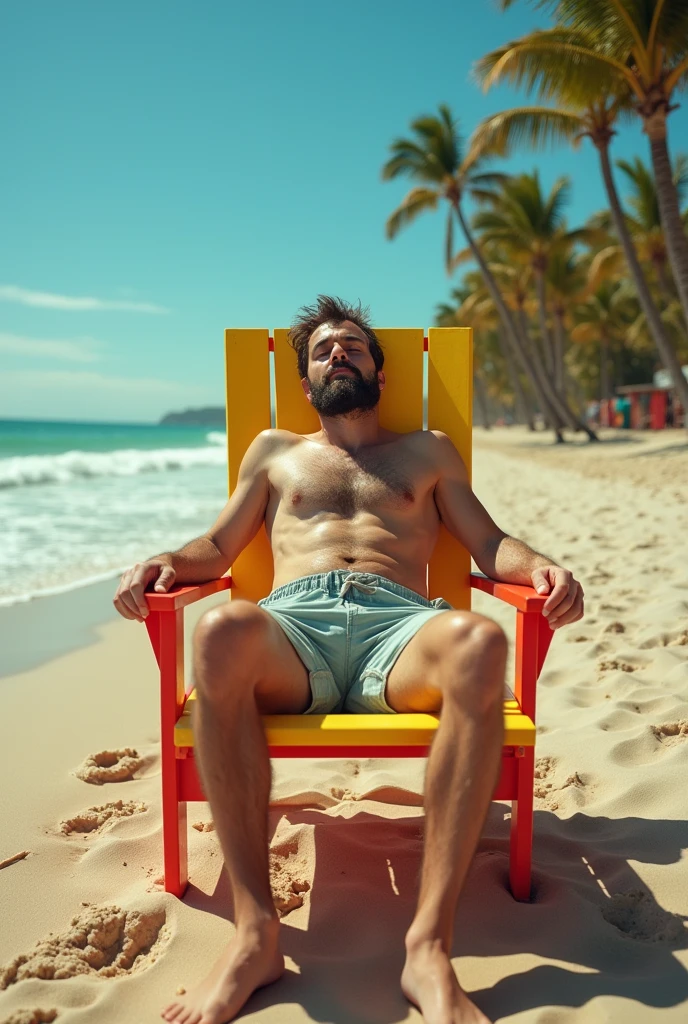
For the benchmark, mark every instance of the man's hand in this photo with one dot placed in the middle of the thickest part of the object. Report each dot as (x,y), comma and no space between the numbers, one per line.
(565,601)
(129,600)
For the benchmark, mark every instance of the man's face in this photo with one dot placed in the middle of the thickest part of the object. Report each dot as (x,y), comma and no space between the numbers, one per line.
(341,371)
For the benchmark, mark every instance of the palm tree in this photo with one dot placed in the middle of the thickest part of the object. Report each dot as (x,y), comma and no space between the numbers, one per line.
(605,318)
(645,222)
(532,225)
(536,126)
(434,158)
(567,280)
(636,51)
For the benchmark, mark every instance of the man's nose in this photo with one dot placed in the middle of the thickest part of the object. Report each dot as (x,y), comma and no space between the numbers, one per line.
(337,353)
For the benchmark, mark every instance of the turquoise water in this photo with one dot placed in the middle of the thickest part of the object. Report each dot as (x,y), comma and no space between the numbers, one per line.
(80,500)
(43,437)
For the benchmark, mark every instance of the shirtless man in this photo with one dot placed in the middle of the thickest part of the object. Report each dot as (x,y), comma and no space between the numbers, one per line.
(352,512)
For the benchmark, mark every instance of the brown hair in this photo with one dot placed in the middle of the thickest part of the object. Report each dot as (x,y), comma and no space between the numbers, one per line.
(328,309)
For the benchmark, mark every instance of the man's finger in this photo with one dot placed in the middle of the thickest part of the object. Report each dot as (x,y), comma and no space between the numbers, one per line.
(574,613)
(165,579)
(540,581)
(564,605)
(136,590)
(122,608)
(555,598)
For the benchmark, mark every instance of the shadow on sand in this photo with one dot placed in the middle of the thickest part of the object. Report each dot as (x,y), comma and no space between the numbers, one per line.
(590,910)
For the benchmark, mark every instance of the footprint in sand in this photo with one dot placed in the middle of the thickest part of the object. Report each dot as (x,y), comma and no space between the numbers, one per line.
(110,766)
(96,820)
(106,942)
(614,627)
(545,788)
(288,869)
(31,1017)
(616,665)
(638,916)
(671,733)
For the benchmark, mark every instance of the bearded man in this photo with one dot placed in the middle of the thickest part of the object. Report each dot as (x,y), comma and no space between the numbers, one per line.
(352,512)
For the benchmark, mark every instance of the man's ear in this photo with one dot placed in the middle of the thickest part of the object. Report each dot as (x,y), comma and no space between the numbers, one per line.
(381,379)
(305,384)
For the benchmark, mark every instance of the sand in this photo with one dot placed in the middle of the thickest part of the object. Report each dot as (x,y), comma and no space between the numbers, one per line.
(87,934)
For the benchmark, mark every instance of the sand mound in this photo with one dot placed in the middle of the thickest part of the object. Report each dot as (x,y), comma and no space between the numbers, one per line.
(98,819)
(31,1017)
(105,941)
(636,915)
(110,766)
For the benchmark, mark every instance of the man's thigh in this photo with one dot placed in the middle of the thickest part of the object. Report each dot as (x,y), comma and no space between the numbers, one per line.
(239,645)
(414,682)
(284,686)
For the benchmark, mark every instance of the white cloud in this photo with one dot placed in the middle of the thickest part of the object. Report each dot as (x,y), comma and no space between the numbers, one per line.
(46,300)
(77,350)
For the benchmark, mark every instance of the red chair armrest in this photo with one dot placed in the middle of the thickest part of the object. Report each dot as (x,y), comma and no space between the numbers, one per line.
(179,596)
(526,599)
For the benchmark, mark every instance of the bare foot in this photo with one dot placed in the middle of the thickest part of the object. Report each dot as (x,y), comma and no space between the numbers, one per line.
(251,960)
(428,981)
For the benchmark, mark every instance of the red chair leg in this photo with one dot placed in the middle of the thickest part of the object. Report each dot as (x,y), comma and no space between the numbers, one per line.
(171,660)
(174,830)
(521,839)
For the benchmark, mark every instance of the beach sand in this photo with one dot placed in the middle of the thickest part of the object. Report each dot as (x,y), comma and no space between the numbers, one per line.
(605,937)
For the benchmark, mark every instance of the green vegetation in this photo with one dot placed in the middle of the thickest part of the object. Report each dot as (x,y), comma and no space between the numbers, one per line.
(562,314)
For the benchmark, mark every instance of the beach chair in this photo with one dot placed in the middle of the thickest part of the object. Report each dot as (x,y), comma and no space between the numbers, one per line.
(448,368)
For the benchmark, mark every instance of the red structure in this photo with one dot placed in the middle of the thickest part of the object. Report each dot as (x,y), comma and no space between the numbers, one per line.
(652,407)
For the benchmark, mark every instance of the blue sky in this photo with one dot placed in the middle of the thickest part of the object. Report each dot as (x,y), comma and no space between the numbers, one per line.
(171,169)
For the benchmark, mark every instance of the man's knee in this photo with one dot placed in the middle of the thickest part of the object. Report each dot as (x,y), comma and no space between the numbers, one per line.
(474,658)
(230,634)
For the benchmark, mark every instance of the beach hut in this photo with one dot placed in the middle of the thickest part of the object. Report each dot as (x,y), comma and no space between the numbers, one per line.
(654,406)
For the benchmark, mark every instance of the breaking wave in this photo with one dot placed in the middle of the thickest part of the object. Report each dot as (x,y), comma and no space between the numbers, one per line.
(22,470)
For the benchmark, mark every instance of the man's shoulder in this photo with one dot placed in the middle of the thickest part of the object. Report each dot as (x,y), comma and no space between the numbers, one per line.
(428,440)
(274,439)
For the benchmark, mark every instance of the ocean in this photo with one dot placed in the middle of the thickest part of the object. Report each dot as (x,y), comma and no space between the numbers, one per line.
(80,501)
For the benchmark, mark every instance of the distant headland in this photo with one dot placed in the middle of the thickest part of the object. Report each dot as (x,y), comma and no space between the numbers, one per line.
(210,416)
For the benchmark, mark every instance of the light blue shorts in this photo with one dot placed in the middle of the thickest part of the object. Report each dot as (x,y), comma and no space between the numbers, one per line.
(349,628)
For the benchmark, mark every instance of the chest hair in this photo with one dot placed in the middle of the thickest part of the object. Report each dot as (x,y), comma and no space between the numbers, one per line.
(345,485)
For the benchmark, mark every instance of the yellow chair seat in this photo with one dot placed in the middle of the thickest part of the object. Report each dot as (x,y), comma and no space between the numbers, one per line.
(347,730)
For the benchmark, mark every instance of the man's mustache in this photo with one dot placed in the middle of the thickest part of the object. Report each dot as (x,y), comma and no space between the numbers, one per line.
(345,366)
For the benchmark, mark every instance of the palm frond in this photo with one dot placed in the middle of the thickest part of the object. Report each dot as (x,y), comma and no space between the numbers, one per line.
(530,127)
(559,62)
(417,201)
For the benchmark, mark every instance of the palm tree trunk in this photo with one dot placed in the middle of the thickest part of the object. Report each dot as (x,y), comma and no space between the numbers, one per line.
(481,400)
(559,345)
(666,350)
(547,407)
(522,403)
(604,368)
(669,209)
(559,402)
(544,329)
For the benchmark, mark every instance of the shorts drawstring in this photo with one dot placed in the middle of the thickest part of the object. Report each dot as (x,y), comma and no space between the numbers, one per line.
(356,579)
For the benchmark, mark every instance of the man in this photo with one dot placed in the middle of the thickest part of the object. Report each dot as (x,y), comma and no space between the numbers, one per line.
(352,512)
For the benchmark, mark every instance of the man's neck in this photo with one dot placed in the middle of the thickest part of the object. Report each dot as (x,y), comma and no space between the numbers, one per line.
(352,431)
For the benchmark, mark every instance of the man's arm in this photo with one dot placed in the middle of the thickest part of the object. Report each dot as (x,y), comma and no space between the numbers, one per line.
(495,553)
(209,556)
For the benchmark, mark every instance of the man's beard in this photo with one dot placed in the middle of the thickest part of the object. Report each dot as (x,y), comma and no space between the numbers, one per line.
(345,394)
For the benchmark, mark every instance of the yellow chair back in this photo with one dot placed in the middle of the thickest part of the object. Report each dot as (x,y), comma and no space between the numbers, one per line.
(450,402)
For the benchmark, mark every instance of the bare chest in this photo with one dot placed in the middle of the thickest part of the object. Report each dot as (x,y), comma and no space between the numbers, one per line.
(316,480)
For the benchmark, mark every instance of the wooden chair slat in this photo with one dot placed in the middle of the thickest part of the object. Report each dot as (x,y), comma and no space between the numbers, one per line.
(247,376)
(450,409)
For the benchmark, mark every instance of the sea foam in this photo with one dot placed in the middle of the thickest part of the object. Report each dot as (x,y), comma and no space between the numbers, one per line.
(67,467)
